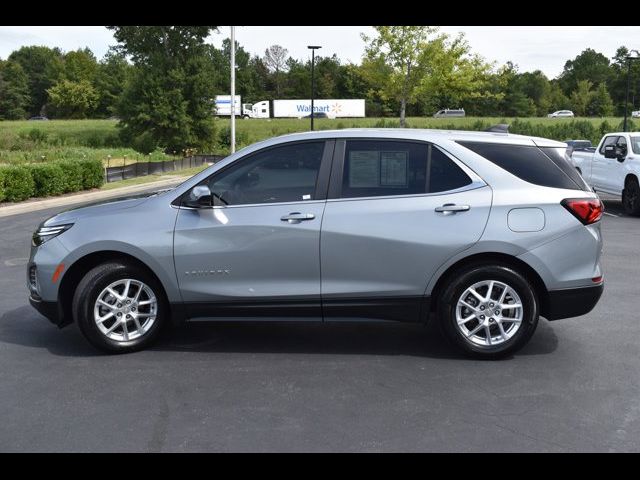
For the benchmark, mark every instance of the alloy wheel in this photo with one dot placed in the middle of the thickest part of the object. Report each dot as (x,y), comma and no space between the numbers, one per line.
(125,310)
(489,313)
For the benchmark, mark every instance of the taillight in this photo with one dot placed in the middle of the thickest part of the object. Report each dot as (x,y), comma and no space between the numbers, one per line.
(587,210)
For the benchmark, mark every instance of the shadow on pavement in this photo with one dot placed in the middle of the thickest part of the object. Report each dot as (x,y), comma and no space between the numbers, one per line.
(25,327)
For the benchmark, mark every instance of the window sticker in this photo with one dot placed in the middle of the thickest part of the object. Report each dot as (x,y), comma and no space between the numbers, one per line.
(393,169)
(364,168)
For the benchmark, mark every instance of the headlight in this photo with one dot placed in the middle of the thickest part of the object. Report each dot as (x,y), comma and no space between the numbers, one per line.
(44,234)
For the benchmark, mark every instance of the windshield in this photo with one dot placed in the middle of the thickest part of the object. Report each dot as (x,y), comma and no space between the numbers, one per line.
(635,144)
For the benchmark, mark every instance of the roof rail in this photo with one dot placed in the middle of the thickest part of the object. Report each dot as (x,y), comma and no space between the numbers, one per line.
(499,128)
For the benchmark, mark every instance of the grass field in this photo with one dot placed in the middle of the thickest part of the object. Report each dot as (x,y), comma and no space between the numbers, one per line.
(37,141)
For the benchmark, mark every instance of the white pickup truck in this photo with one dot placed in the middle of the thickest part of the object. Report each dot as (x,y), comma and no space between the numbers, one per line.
(614,168)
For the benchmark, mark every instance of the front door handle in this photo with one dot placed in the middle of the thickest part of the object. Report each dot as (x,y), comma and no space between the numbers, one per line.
(448,208)
(297,217)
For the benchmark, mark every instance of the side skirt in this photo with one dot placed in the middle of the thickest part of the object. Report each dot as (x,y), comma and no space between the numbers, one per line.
(403,309)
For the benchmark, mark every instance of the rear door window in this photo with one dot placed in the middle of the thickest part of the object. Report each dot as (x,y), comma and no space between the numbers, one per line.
(374,168)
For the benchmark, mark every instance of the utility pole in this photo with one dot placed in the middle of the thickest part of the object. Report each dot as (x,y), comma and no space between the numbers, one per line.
(313,49)
(233,89)
(626,100)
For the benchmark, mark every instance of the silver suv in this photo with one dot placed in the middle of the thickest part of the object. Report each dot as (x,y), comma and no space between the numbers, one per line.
(488,231)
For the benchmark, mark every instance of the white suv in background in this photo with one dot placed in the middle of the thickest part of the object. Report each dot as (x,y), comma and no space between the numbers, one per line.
(561,114)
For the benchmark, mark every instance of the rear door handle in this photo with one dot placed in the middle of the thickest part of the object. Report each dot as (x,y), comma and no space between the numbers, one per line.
(297,217)
(452,208)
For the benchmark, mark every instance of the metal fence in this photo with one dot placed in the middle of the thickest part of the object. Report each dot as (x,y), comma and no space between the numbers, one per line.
(141,169)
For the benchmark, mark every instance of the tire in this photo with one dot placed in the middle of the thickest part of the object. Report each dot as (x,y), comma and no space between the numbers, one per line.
(479,277)
(149,316)
(631,197)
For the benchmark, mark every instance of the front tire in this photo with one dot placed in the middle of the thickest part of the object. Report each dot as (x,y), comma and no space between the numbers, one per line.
(631,198)
(488,311)
(119,308)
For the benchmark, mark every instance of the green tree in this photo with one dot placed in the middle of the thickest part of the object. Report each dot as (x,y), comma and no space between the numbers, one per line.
(536,86)
(452,76)
(14,91)
(581,97)
(617,86)
(43,67)
(601,104)
(73,99)
(111,77)
(557,99)
(298,84)
(589,65)
(168,98)
(400,48)
(375,72)
(80,65)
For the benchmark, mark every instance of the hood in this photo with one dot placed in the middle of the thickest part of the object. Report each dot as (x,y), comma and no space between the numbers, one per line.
(104,206)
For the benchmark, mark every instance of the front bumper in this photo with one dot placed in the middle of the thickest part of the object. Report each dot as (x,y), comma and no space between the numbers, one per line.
(51,310)
(572,302)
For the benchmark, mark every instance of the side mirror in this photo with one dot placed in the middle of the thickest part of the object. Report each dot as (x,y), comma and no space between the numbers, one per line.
(610,151)
(200,196)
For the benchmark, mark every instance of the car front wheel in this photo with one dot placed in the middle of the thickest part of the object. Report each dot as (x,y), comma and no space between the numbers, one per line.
(119,308)
(488,311)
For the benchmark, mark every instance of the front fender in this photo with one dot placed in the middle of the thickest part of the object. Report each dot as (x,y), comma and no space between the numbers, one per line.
(161,264)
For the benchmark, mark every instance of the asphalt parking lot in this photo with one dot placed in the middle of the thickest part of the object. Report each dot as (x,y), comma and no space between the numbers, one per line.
(323,387)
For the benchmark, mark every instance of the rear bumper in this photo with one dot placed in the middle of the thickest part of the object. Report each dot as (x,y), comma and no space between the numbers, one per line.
(51,310)
(572,302)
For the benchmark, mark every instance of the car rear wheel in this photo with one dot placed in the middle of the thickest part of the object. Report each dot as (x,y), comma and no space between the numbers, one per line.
(631,197)
(119,308)
(488,311)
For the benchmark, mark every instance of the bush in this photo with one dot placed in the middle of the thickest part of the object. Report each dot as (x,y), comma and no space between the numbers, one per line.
(144,143)
(1,184)
(18,183)
(92,173)
(48,179)
(72,174)
(34,135)
(224,138)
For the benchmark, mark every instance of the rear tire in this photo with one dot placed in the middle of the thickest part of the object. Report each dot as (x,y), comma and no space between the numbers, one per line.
(631,197)
(476,323)
(119,308)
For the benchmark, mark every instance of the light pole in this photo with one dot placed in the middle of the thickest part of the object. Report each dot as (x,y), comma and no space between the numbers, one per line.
(313,49)
(626,100)
(233,89)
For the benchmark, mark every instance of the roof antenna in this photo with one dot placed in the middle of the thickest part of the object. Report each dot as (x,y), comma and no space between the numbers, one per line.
(499,128)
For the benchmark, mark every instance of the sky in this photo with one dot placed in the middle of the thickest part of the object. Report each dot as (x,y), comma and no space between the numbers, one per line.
(531,48)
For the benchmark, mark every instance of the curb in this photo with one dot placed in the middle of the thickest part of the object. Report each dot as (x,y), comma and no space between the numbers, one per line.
(35,205)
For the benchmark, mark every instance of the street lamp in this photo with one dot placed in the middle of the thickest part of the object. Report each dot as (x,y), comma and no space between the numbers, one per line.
(626,100)
(233,89)
(313,49)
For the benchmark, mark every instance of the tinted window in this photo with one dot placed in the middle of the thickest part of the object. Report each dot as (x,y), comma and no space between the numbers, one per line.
(280,174)
(557,155)
(635,144)
(608,141)
(382,168)
(528,163)
(445,174)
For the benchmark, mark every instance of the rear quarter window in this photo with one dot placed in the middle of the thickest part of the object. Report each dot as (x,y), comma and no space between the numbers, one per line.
(529,163)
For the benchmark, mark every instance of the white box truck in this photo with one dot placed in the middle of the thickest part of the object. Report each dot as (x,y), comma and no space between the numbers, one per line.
(331,108)
(223,105)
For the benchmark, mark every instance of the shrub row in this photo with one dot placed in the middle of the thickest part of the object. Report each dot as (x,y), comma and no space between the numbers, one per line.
(19,182)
